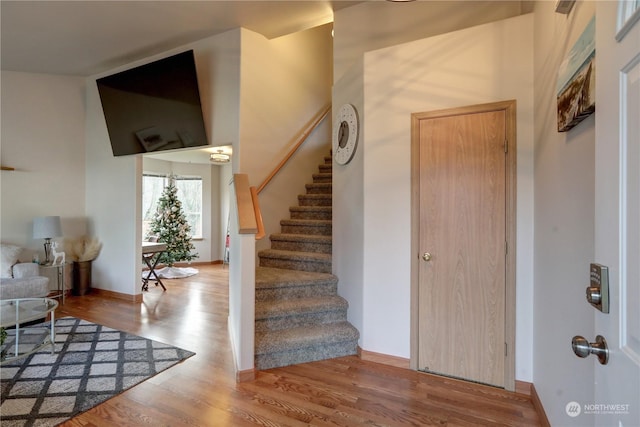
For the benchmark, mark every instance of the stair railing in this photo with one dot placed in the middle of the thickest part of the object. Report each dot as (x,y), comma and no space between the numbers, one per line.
(245,205)
(303,137)
(313,124)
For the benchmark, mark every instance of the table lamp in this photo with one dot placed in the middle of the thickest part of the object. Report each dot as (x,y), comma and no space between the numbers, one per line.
(46,228)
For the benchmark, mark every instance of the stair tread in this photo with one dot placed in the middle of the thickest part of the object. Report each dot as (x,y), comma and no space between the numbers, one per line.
(307,222)
(268,277)
(305,336)
(316,196)
(316,238)
(279,253)
(294,306)
(311,208)
(322,187)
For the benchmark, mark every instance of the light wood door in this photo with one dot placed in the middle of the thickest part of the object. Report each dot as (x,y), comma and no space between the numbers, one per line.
(462,242)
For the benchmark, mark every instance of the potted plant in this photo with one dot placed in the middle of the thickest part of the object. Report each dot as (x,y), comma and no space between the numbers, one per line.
(82,252)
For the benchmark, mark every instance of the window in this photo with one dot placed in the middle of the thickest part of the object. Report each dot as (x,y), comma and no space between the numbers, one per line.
(189,194)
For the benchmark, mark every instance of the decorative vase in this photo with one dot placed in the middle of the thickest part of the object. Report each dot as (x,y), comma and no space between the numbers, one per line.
(81,277)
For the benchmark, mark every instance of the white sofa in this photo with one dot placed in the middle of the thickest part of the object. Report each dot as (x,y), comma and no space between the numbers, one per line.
(20,279)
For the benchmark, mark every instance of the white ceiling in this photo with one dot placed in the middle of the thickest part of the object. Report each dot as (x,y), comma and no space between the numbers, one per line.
(88,37)
(84,38)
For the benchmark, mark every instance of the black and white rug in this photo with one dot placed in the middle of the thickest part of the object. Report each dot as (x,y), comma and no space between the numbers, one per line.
(91,364)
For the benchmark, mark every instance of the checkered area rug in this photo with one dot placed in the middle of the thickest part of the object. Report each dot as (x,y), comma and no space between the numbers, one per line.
(91,364)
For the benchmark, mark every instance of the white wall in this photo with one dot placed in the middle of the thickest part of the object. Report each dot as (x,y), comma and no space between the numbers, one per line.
(242,295)
(285,83)
(348,204)
(42,136)
(564,223)
(224,178)
(374,25)
(114,184)
(113,204)
(491,62)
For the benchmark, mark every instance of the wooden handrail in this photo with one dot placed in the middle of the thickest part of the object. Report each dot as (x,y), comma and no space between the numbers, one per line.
(258,213)
(314,124)
(246,215)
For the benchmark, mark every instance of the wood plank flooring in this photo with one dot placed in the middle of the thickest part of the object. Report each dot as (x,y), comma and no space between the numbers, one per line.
(202,391)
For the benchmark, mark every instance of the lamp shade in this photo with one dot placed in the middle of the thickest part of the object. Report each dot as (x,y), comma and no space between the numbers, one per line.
(47,227)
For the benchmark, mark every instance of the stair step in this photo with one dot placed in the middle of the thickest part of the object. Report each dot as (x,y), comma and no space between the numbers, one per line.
(316,227)
(278,283)
(311,212)
(301,242)
(318,188)
(304,344)
(314,200)
(303,261)
(326,168)
(299,316)
(322,177)
(298,312)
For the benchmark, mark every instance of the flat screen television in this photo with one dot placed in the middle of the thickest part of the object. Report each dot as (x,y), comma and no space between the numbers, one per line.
(154,107)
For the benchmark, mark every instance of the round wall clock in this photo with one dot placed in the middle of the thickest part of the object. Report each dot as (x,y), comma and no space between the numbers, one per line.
(345,136)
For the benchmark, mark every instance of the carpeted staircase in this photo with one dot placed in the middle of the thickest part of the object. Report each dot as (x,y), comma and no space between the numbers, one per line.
(299,315)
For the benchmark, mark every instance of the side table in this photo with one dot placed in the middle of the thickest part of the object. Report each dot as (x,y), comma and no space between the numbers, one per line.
(20,343)
(60,278)
(151,252)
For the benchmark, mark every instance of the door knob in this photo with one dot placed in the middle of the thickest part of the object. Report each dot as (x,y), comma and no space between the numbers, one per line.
(583,348)
(426,256)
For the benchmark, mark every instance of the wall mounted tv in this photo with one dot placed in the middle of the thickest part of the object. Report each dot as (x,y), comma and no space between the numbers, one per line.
(154,107)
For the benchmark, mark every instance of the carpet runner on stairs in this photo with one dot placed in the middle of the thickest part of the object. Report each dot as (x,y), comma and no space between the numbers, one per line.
(299,315)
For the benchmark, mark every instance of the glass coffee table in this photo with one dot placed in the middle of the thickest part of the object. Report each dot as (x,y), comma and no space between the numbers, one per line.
(21,341)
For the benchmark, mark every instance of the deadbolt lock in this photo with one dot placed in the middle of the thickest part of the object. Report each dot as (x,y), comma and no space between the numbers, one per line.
(594,296)
(426,256)
(598,289)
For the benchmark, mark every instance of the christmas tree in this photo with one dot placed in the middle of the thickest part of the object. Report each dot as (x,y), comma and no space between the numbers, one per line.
(171,227)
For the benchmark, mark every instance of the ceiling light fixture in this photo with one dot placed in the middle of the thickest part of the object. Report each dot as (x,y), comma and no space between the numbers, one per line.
(220,157)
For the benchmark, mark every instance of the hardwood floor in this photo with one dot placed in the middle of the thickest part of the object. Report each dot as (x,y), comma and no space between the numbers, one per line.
(202,391)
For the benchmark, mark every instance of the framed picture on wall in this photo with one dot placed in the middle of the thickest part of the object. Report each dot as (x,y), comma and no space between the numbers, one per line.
(576,89)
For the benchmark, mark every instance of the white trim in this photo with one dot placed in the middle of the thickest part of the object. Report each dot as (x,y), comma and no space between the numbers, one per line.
(628,16)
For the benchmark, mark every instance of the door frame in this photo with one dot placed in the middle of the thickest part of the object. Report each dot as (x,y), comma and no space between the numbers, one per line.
(510,210)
